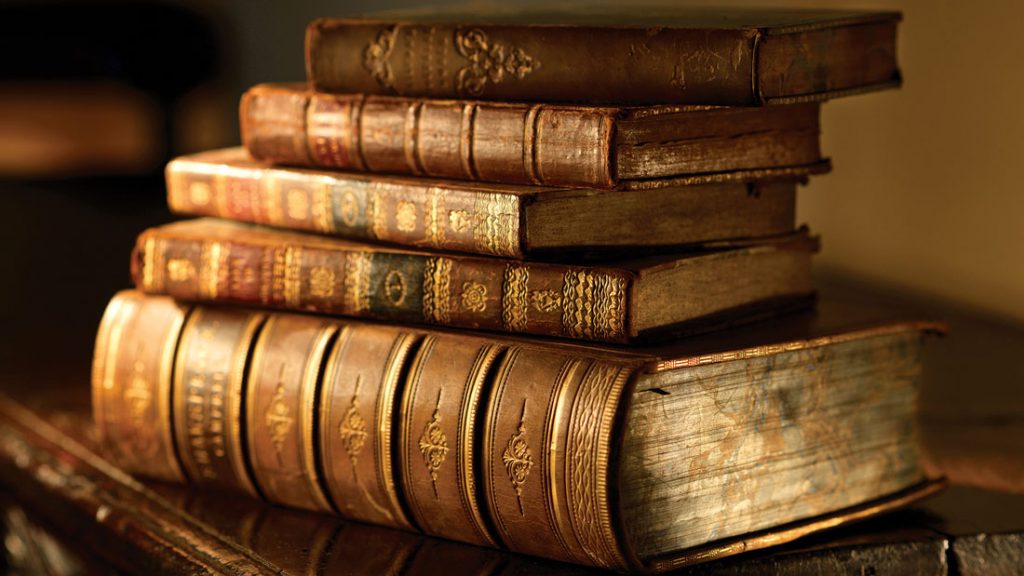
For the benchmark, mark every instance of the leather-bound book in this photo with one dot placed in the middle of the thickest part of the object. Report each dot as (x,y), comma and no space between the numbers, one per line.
(529,143)
(491,219)
(642,299)
(625,54)
(622,458)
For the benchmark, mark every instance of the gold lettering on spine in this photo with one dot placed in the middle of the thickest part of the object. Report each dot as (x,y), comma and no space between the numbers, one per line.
(488,62)
(292,276)
(518,459)
(497,231)
(357,282)
(434,444)
(323,219)
(436,290)
(586,462)
(514,301)
(593,305)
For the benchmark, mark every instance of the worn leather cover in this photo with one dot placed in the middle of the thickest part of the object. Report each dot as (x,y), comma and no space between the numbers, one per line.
(490,219)
(358,400)
(214,261)
(545,419)
(131,383)
(207,396)
(630,54)
(283,379)
(526,143)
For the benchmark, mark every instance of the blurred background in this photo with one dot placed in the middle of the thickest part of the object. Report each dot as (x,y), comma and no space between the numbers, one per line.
(96,96)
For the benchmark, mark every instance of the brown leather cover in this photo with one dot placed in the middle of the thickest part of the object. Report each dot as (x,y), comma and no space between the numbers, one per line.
(214,261)
(489,219)
(283,377)
(131,382)
(207,396)
(548,455)
(440,419)
(358,399)
(521,143)
(543,417)
(615,54)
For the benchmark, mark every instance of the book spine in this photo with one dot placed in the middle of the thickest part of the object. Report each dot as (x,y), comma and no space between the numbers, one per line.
(207,396)
(543,63)
(358,399)
(284,372)
(437,434)
(547,455)
(409,213)
(493,444)
(291,273)
(510,143)
(131,382)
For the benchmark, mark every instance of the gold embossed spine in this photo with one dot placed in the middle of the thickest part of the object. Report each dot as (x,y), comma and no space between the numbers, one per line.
(437,436)
(362,377)
(451,217)
(208,381)
(283,380)
(547,455)
(133,384)
(217,261)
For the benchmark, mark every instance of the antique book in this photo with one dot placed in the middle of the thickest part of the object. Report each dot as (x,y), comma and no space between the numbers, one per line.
(630,300)
(563,451)
(625,54)
(489,219)
(529,143)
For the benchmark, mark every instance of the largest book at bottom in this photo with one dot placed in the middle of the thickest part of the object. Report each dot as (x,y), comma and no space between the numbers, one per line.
(630,459)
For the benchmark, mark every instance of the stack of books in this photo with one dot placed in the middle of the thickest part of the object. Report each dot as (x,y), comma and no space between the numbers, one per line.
(535,286)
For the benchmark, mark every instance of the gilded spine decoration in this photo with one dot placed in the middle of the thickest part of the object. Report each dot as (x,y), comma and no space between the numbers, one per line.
(352,429)
(434,444)
(498,230)
(436,288)
(587,451)
(488,62)
(357,282)
(377,57)
(593,305)
(518,459)
(514,301)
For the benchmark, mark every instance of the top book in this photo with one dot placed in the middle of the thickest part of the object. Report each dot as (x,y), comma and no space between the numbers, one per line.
(616,55)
